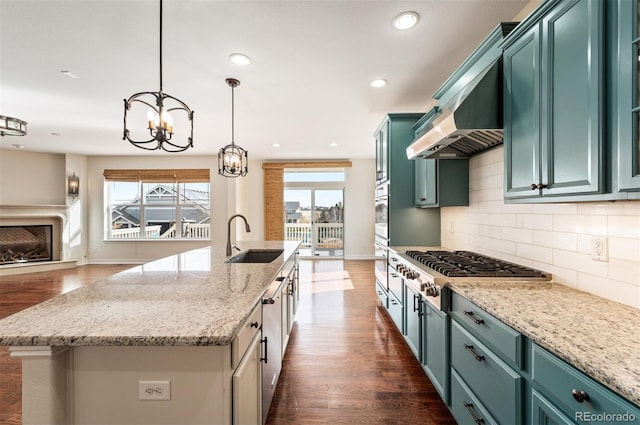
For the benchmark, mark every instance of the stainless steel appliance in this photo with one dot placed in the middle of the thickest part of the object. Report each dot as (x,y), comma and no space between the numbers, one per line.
(382,212)
(428,271)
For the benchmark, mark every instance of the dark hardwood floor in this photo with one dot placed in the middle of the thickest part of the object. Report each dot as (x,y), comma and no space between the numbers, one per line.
(346,363)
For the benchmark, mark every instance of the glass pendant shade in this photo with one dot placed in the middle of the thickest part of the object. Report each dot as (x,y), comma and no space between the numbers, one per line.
(232,159)
(159,120)
(73,185)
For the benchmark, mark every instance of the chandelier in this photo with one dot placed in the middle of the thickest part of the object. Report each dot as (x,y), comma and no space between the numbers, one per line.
(159,121)
(12,126)
(232,159)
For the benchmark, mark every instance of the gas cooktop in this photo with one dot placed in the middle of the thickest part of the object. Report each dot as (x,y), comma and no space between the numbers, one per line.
(471,264)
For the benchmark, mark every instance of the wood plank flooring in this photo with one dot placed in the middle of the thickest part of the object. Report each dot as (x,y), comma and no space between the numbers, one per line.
(346,363)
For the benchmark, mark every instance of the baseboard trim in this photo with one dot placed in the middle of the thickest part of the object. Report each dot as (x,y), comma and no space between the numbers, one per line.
(22,268)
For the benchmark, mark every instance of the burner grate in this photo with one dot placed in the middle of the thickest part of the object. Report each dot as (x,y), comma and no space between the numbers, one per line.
(471,264)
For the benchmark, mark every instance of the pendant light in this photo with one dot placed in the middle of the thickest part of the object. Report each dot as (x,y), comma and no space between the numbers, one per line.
(232,159)
(159,121)
(12,126)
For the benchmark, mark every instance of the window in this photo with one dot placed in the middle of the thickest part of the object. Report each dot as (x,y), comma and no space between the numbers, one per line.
(158,204)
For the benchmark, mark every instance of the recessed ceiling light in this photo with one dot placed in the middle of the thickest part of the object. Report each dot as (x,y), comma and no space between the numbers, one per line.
(276,145)
(69,74)
(55,134)
(17,146)
(378,83)
(240,59)
(333,145)
(405,20)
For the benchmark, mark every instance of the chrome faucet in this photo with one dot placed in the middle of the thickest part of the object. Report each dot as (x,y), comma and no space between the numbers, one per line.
(246,226)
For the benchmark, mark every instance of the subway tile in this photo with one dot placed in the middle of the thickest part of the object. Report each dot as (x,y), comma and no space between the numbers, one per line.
(623,226)
(494,232)
(555,208)
(610,208)
(503,220)
(624,271)
(535,221)
(536,253)
(585,243)
(560,275)
(611,289)
(557,240)
(587,224)
(517,235)
(579,262)
(517,208)
(503,247)
(490,206)
(624,249)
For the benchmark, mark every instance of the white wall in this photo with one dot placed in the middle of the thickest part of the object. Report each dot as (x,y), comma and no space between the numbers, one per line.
(358,201)
(32,178)
(556,238)
(101,251)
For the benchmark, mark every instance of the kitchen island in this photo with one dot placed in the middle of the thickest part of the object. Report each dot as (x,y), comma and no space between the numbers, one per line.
(176,319)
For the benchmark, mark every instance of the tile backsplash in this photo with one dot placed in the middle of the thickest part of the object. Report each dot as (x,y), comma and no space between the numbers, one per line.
(556,238)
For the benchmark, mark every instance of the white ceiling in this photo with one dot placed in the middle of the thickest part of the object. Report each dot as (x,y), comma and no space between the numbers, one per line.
(308,85)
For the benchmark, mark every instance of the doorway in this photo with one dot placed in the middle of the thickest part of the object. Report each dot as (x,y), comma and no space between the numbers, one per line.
(315,217)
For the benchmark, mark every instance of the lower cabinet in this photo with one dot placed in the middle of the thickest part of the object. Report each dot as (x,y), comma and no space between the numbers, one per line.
(465,407)
(396,311)
(435,348)
(413,332)
(247,386)
(543,412)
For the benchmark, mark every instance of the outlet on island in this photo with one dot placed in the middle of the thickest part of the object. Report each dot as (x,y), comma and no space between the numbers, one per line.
(154,390)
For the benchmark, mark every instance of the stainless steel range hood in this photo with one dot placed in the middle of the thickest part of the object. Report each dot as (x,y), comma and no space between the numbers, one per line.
(470,120)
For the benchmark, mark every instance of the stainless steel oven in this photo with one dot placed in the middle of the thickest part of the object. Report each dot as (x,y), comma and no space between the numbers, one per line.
(382,211)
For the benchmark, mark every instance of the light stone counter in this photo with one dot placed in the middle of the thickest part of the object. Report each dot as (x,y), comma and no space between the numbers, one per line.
(189,299)
(595,335)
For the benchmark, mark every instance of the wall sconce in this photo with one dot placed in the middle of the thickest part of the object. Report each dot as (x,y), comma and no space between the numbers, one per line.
(73,186)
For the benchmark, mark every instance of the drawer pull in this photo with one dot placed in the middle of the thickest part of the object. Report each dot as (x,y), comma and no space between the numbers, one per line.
(470,315)
(580,396)
(477,356)
(255,324)
(475,417)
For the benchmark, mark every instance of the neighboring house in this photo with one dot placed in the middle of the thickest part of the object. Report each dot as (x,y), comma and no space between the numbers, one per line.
(292,211)
(195,210)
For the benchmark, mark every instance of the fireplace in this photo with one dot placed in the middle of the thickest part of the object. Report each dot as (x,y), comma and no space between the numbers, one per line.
(24,244)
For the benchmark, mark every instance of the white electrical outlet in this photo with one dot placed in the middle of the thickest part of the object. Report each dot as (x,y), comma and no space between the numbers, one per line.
(154,390)
(599,249)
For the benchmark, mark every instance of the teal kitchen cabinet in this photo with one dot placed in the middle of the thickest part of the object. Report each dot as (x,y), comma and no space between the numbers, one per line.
(553,102)
(435,348)
(625,71)
(405,225)
(442,182)
(562,394)
(414,306)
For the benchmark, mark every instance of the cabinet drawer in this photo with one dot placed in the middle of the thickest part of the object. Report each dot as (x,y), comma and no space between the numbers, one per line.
(396,311)
(396,284)
(559,382)
(248,330)
(465,407)
(500,337)
(382,294)
(495,384)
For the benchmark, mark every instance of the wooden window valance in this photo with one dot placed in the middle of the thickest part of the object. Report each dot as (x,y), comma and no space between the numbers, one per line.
(305,164)
(196,175)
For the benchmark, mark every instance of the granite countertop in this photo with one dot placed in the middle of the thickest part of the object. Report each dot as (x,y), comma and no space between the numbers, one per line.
(595,335)
(193,298)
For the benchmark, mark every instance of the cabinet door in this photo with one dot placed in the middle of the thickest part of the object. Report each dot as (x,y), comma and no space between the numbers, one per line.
(627,116)
(572,103)
(435,349)
(413,309)
(544,412)
(247,387)
(421,182)
(522,116)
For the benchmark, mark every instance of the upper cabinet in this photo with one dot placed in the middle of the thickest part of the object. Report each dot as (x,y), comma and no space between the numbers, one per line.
(553,102)
(625,72)
(442,182)
(382,152)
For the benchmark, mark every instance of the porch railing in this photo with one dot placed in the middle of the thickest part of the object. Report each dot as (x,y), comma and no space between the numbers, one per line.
(189,230)
(326,235)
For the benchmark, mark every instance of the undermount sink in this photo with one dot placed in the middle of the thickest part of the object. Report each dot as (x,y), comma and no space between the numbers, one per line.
(256,256)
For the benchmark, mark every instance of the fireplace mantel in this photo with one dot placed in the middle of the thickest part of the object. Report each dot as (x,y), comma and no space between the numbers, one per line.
(58,215)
